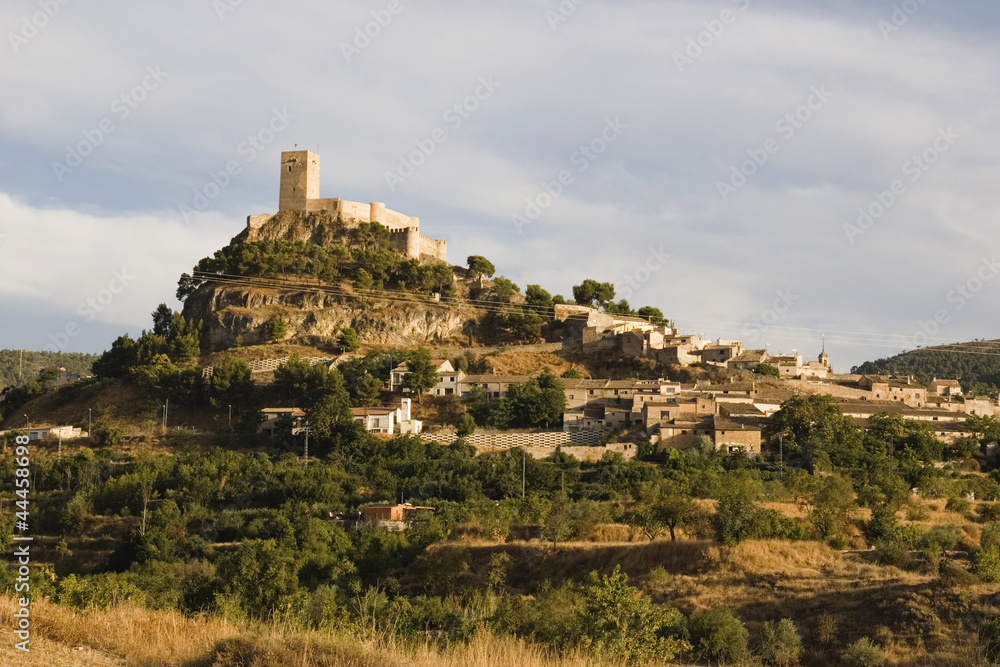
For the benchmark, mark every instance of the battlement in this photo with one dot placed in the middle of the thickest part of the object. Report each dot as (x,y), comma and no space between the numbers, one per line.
(300,192)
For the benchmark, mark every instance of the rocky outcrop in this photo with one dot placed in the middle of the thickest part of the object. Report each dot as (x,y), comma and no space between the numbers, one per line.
(316,317)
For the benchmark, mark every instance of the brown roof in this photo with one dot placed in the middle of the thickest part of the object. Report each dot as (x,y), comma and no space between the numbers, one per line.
(724,424)
(295,412)
(751,356)
(506,379)
(747,409)
(365,412)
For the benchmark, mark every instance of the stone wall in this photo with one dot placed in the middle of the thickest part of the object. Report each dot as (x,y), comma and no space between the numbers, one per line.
(434,248)
(584,445)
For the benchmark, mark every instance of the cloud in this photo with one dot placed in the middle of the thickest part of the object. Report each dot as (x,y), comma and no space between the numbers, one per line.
(657,185)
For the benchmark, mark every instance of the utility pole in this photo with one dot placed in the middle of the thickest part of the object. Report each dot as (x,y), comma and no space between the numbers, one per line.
(90,423)
(230,417)
(524,469)
(305,453)
(781,451)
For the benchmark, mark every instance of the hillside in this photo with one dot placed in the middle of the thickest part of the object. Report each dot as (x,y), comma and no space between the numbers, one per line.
(976,364)
(13,366)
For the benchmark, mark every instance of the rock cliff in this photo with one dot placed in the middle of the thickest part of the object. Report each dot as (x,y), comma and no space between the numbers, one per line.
(315,318)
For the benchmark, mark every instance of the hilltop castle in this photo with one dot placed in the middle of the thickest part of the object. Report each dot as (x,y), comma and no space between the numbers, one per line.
(300,192)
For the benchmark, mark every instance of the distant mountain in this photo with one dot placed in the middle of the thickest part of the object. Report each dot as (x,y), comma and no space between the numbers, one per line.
(975,364)
(13,367)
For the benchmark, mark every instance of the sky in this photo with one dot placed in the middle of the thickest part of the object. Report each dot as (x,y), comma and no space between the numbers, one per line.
(779,172)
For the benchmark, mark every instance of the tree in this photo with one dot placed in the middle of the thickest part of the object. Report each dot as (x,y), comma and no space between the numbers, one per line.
(275,328)
(480,266)
(833,502)
(572,374)
(119,360)
(257,575)
(232,382)
(503,290)
(674,509)
(465,425)
(767,370)
(363,281)
(738,510)
(183,341)
(540,301)
(423,375)
(348,339)
(654,315)
(620,622)
(556,527)
(592,293)
(162,319)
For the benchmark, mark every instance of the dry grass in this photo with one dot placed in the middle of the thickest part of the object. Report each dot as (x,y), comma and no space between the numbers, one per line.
(143,638)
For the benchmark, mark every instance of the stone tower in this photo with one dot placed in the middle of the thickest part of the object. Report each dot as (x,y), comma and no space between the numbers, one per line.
(299,180)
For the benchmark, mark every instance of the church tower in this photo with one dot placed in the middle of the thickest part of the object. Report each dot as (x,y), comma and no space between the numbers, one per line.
(824,358)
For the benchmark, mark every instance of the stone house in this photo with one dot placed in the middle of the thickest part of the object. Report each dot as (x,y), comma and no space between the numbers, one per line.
(495,386)
(944,388)
(446,386)
(389,420)
(272,416)
(719,353)
(892,388)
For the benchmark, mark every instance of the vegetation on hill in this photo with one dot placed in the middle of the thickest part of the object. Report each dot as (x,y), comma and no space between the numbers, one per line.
(236,525)
(975,364)
(20,367)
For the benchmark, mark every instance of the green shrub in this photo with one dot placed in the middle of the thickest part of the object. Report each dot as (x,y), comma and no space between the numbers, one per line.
(865,653)
(986,563)
(717,634)
(989,639)
(275,328)
(960,505)
(98,590)
(617,622)
(780,643)
(827,626)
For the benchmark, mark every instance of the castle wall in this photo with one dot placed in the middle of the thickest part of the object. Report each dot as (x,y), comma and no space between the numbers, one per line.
(358,211)
(257,221)
(433,247)
(300,192)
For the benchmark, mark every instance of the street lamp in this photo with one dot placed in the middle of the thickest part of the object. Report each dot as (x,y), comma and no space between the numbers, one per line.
(27,423)
(90,424)
(230,417)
